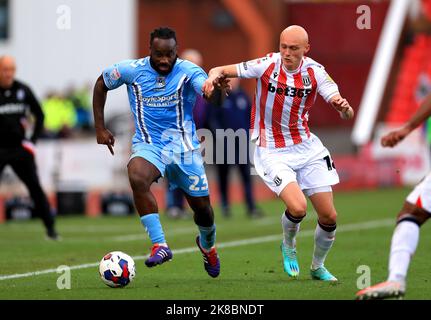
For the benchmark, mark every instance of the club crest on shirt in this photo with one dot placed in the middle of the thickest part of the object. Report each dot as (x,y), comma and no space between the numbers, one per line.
(277,180)
(306,80)
(160,83)
(20,94)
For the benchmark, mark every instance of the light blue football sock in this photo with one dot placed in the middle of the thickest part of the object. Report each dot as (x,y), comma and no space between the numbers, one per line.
(207,236)
(152,225)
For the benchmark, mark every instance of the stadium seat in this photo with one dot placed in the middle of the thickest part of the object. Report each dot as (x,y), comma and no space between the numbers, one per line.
(426,9)
(414,62)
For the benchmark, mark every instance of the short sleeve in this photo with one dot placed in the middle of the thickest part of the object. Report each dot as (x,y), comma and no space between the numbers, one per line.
(254,68)
(119,74)
(326,87)
(197,76)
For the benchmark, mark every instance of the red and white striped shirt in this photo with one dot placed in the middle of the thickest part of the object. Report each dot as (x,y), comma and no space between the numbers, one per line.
(279,115)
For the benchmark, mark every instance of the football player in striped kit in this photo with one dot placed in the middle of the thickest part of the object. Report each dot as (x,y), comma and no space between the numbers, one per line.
(414,213)
(291,160)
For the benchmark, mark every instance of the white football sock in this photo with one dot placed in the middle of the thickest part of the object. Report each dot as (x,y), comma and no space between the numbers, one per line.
(323,241)
(404,243)
(290,229)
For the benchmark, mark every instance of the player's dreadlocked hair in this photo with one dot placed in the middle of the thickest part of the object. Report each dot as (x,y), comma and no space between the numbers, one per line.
(163,33)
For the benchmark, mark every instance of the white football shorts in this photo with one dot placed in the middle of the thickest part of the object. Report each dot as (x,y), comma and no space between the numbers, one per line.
(308,163)
(421,194)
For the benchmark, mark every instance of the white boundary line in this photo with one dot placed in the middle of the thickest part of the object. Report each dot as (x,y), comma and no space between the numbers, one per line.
(375,224)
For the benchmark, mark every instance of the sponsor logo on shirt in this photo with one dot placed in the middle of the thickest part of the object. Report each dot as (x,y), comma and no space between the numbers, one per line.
(163,101)
(289,91)
(11,108)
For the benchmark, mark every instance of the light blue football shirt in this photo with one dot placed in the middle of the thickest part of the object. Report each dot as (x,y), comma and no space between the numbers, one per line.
(162,106)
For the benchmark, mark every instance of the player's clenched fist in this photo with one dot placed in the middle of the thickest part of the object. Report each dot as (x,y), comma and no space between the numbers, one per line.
(214,81)
(394,137)
(343,107)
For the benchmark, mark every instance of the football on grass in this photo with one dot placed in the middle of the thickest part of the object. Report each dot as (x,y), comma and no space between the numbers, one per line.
(117,269)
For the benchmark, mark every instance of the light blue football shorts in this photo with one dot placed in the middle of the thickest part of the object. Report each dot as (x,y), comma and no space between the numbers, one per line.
(183,170)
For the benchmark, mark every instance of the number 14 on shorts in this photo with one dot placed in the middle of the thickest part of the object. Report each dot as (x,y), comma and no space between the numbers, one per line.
(330,164)
(196,181)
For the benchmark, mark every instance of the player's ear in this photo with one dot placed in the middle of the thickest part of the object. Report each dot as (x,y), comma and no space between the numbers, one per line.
(150,48)
(307,48)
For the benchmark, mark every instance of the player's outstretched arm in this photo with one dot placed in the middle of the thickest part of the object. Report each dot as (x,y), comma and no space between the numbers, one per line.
(394,137)
(342,106)
(103,135)
(217,78)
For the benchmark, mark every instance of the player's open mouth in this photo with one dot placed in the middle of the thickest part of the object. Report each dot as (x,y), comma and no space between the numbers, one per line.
(163,67)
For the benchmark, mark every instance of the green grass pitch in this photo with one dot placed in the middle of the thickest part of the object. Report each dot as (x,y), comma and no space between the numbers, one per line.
(251,266)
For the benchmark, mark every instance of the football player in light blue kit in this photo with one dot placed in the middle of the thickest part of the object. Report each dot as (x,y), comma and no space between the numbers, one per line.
(162,91)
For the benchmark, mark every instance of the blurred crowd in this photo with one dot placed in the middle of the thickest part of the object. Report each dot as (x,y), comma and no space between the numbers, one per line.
(67,114)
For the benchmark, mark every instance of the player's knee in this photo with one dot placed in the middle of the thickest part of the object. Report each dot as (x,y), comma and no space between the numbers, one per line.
(139,181)
(329,218)
(298,210)
(415,217)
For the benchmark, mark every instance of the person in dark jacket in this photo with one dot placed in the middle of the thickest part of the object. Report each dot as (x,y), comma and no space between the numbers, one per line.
(234,114)
(16,102)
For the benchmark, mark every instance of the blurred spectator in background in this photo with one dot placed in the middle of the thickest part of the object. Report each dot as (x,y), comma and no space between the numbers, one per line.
(16,150)
(82,104)
(60,116)
(175,201)
(233,114)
